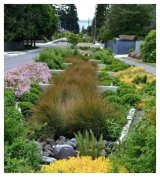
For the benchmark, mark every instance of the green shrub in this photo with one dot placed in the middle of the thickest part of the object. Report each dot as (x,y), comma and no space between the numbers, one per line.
(22,156)
(124,89)
(73,39)
(148,48)
(29,97)
(108,93)
(25,108)
(54,57)
(140,79)
(116,123)
(75,51)
(107,80)
(114,99)
(36,89)
(88,145)
(131,50)
(13,125)
(107,58)
(84,47)
(9,97)
(117,66)
(138,153)
(130,98)
(149,89)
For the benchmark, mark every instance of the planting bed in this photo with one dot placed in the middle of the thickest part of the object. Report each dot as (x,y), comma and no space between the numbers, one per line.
(77,112)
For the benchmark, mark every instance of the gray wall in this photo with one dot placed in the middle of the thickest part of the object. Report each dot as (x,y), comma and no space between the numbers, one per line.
(10,46)
(120,46)
(137,46)
(123,46)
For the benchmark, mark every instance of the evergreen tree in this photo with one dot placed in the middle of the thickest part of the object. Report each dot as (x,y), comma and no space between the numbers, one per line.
(72,19)
(84,31)
(68,17)
(101,11)
(132,19)
(28,21)
(117,19)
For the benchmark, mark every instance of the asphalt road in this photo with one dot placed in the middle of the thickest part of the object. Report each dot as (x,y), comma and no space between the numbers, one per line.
(148,68)
(12,61)
(15,59)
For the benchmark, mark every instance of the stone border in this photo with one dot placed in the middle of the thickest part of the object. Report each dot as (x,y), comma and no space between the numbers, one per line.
(100,88)
(125,129)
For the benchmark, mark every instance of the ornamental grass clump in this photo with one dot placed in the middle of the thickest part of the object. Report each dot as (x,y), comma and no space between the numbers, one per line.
(82,165)
(73,104)
(22,77)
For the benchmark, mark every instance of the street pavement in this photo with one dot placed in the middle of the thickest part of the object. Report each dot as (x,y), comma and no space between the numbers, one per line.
(18,58)
(147,67)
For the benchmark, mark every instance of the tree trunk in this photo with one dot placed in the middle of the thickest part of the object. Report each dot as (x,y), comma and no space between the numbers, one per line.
(31,42)
(34,43)
(27,42)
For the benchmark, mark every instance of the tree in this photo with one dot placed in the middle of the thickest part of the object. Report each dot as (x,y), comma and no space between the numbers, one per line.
(131,19)
(89,30)
(84,31)
(73,39)
(101,11)
(68,17)
(117,19)
(148,48)
(28,22)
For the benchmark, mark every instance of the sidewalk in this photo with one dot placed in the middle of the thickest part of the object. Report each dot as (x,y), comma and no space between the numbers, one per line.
(150,69)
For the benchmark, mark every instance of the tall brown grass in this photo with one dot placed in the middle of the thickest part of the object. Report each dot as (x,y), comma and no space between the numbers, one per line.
(73,104)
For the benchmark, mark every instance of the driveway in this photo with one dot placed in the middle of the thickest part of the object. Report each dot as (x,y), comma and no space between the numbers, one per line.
(147,67)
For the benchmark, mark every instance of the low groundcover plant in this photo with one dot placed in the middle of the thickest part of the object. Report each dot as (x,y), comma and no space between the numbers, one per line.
(22,77)
(82,165)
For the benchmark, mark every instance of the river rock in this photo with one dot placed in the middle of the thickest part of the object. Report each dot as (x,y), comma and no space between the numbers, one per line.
(66,152)
(72,143)
(57,148)
(49,140)
(62,138)
(60,142)
(46,153)
(43,143)
(48,159)
(46,147)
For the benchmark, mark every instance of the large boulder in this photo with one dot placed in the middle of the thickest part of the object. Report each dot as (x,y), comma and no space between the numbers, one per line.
(66,152)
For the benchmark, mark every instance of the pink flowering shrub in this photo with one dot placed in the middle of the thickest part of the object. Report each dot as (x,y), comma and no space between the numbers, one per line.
(22,77)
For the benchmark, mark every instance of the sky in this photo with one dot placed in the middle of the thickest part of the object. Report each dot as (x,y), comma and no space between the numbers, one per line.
(85,12)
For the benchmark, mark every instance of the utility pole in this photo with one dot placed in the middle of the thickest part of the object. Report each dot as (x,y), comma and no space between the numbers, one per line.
(94,35)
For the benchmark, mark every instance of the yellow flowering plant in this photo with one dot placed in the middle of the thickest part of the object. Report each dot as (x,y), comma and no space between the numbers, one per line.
(129,75)
(83,164)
